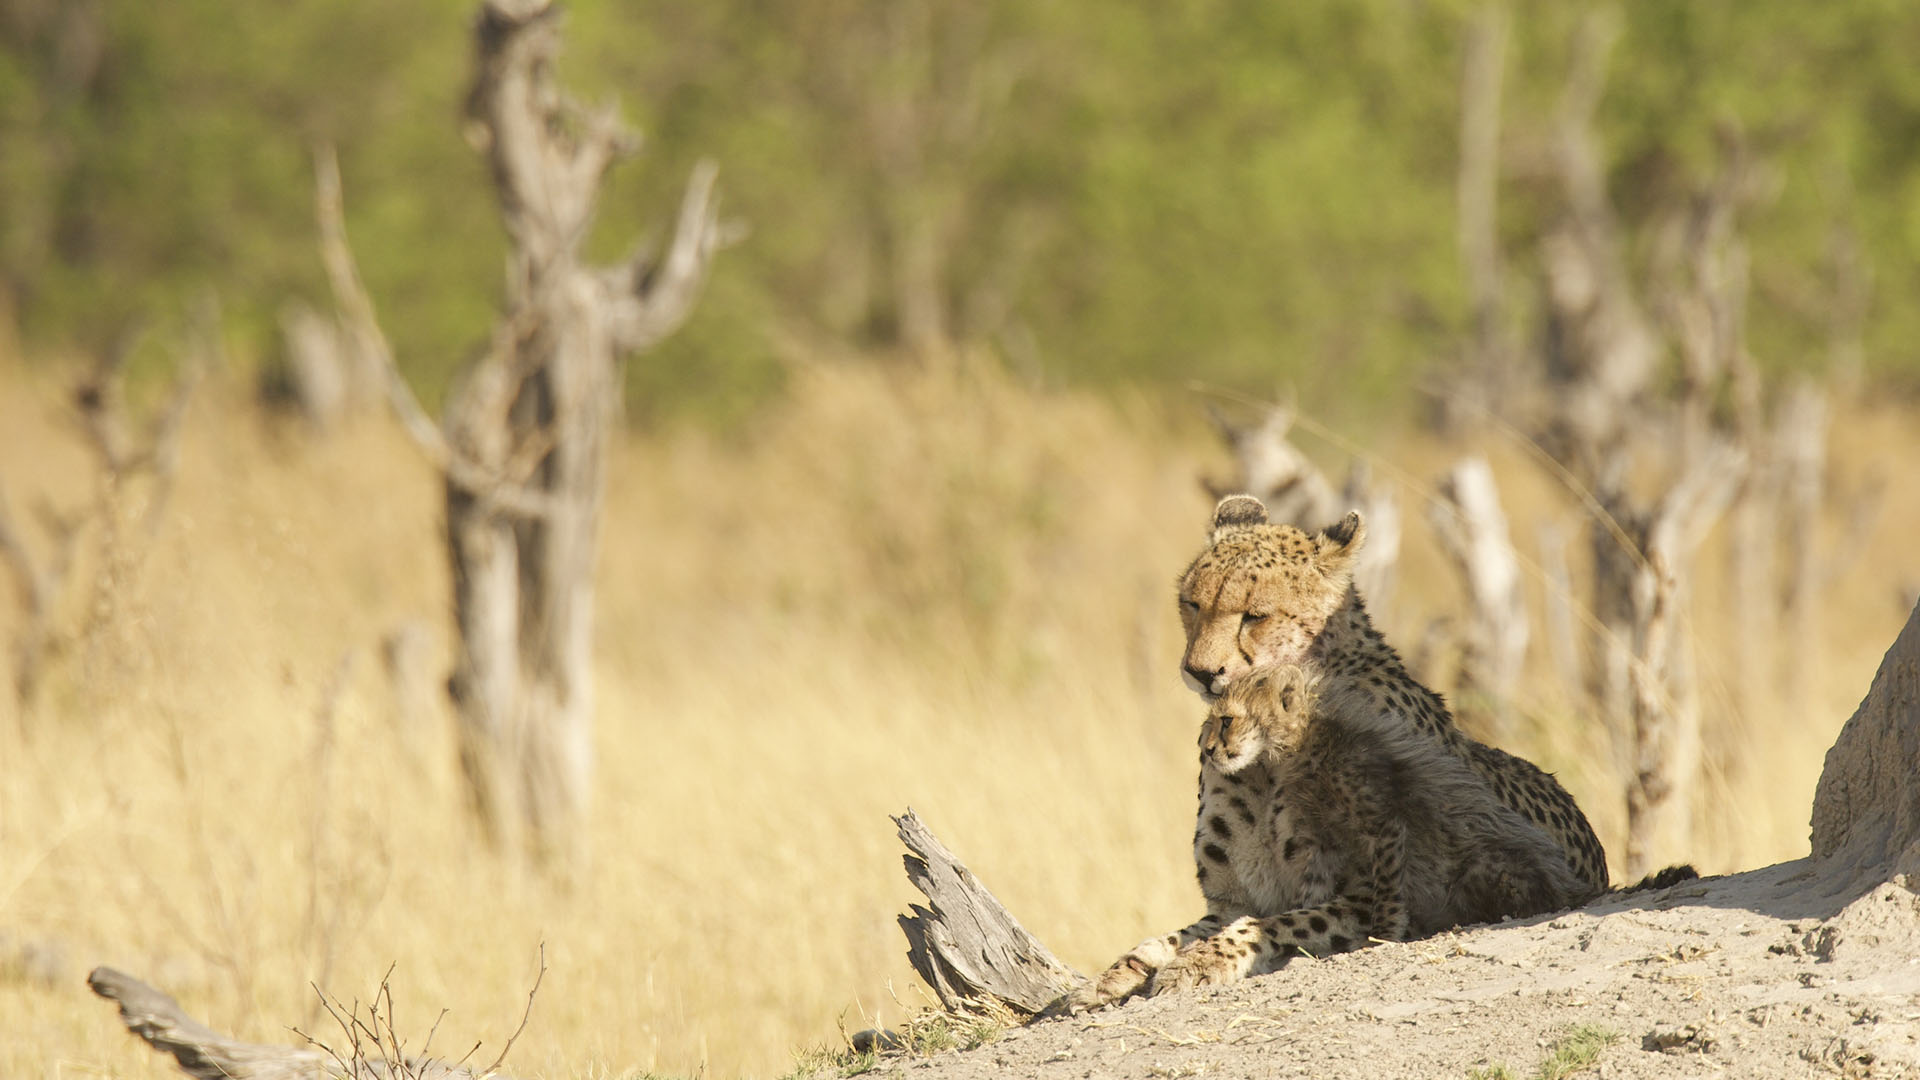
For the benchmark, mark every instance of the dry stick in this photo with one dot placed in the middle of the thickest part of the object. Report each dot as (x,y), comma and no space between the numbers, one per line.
(488,1071)
(427,1047)
(353,1037)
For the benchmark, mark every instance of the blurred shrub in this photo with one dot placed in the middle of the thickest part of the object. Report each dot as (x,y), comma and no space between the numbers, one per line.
(1245,192)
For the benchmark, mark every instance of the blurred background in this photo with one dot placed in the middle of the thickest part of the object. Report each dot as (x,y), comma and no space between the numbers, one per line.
(894,518)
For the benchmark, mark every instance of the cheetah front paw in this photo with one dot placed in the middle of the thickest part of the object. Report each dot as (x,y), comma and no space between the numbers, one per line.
(1128,976)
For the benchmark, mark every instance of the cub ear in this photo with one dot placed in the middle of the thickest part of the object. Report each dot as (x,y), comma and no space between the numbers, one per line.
(1341,541)
(1236,513)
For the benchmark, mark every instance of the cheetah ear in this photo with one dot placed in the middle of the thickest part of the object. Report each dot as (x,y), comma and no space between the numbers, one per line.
(1341,541)
(1236,513)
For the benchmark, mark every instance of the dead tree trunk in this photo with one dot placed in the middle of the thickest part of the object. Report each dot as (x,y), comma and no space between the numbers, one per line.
(1473,530)
(1666,710)
(527,426)
(1602,355)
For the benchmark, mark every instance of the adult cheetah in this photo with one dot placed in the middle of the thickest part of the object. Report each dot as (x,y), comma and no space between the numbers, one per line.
(1264,594)
(1324,824)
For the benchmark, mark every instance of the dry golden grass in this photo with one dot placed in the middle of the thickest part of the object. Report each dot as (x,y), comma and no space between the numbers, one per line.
(938,590)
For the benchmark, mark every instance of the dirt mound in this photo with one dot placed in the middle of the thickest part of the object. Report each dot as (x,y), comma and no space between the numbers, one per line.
(1866,810)
(1723,976)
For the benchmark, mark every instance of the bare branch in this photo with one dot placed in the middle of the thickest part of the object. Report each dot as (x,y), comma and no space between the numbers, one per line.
(604,139)
(349,291)
(653,300)
(356,306)
(1688,511)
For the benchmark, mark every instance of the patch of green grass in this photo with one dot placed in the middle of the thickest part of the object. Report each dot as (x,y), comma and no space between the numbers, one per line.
(821,1061)
(934,1032)
(1576,1050)
(924,1035)
(1570,1053)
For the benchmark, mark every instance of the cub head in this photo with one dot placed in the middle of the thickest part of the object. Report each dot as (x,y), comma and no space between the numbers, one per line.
(1261,593)
(1265,709)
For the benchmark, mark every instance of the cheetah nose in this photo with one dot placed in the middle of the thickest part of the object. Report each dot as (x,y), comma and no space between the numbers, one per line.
(1200,679)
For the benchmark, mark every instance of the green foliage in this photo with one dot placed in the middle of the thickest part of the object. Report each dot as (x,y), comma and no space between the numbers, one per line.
(1578,1049)
(822,1063)
(937,1032)
(1236,191)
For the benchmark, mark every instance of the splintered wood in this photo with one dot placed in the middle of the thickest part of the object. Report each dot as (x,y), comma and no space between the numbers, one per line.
(967,947)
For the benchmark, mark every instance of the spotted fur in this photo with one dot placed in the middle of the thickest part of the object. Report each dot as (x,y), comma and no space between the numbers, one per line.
(1262,594)
(1309,849)
(1321,827)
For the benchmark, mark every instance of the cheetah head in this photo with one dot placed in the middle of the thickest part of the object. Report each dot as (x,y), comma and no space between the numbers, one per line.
(1265,709)
(1261,593)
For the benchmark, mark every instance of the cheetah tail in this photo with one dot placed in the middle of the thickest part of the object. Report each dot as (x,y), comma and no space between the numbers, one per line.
(1672,875)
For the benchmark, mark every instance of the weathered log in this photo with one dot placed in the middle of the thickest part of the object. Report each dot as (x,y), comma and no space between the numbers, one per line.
(200,1050)
(969,949)
(205,1053)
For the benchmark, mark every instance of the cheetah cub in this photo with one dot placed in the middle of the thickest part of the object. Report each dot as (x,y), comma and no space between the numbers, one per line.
(1324,824)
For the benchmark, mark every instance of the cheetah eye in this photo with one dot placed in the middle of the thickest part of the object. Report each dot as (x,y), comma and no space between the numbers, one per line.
(1189,605)
(1249,618)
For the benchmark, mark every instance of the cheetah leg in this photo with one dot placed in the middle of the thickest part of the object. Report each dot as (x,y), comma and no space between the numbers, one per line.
(1373,907)
(1254,946)
(1130,974)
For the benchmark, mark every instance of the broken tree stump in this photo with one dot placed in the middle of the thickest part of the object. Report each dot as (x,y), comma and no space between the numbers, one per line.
(969,949)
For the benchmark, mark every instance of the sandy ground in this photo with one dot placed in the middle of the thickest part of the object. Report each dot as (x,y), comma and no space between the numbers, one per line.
(1759,974)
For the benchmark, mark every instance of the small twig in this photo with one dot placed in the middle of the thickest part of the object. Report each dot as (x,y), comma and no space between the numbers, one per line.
(542,974)
(345,1026)
(426,1048)
(464,1058)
